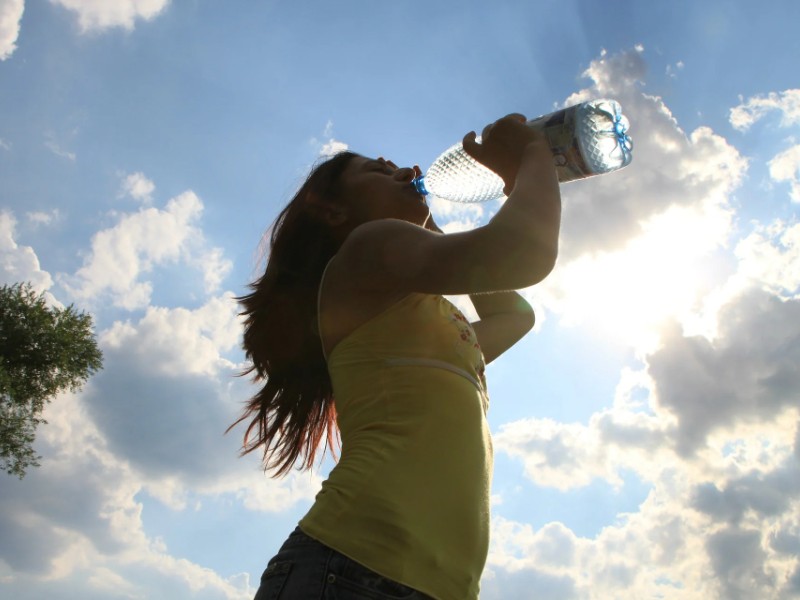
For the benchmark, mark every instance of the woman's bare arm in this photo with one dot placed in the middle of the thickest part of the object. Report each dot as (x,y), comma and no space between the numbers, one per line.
(505,317)
(516,249)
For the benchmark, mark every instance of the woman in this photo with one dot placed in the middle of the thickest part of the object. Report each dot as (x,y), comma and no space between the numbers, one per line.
(351,307)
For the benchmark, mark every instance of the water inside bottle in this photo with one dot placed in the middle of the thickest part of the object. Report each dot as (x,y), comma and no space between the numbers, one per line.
(457,176)
(586,139)
(602,136)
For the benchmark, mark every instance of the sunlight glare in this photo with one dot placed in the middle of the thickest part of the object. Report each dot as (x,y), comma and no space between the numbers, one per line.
(659,275)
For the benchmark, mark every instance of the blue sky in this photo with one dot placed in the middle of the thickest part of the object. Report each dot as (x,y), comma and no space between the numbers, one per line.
(646,432)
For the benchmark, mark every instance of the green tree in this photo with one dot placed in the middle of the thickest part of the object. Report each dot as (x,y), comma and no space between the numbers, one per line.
(43,351)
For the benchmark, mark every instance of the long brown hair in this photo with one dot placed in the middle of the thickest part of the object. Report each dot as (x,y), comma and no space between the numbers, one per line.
(294,409)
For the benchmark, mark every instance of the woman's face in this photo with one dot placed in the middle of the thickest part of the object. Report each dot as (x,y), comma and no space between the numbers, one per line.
(377,189)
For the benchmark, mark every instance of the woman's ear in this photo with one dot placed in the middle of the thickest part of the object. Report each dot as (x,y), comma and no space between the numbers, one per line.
(332,213)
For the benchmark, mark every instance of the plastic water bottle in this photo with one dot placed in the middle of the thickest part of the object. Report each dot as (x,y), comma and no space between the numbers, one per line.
(586,139)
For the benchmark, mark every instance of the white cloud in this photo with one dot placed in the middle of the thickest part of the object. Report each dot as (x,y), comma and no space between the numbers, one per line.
(786,167)
(452,217)
(179,340)
(10,17)
(701,394)
(332,147)
(749,372)
(105,14)
(150,424)
(713,425)
(617,72)
(738,559)
(672,70)
(92,538)
(329,146)
(172,363)
(667,549)
(53,146)
(669,167)
(770,257)
(743,116)
(138,187)
(564,456)
(628,293)
(746,483)
(43,218)
(536,564)
(215,268)
(257,495)
(122,255)
(715,429)
(19,263)
(639,246)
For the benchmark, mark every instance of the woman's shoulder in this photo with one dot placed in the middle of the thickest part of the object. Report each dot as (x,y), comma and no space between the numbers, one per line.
(379,255)
(342,286)
(345,305)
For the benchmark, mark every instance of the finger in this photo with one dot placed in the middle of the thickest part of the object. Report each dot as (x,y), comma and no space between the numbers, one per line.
(391,164)
(471,147)
(517,117)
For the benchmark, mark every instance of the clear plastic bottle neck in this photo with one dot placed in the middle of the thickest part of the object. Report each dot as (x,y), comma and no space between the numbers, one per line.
(419,185)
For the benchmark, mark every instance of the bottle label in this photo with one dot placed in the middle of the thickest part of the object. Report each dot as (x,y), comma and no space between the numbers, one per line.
(559,128)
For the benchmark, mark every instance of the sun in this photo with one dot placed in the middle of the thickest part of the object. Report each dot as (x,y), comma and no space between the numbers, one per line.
(662,274)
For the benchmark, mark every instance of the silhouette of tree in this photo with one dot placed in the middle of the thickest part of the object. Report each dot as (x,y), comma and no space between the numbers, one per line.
(43,351)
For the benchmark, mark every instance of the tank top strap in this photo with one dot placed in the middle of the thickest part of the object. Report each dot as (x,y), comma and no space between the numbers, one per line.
(319,303)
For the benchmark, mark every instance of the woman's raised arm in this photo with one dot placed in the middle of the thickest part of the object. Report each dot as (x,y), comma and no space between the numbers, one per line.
(516,249)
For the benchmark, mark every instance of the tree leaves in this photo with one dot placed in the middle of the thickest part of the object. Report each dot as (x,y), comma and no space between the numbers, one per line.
(43,351)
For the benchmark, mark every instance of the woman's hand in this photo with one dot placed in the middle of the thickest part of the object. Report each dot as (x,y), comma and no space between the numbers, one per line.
(503,144)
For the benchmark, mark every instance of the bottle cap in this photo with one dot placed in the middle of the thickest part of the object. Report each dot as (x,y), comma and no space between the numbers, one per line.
(419,185)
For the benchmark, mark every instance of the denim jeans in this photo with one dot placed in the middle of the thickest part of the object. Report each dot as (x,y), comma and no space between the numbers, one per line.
(305,569)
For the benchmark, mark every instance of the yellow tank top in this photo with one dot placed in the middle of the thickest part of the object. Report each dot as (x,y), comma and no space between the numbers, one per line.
(409,497)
